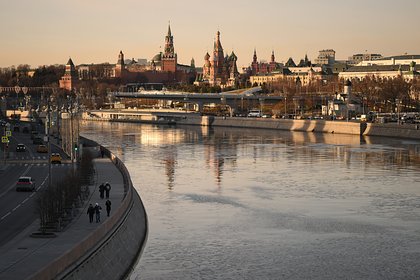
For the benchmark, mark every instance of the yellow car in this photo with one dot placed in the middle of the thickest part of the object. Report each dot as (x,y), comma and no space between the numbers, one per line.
(55,158)
(42,149)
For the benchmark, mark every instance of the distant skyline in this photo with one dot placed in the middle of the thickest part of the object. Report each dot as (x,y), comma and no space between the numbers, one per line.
(48,32)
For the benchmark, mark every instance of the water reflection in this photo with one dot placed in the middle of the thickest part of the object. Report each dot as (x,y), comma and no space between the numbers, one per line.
(223,147)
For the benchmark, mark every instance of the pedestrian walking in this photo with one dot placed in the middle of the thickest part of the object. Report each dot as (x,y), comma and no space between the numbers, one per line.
(108,206)
(102,151)
(107,189)
(98,209)
(90,212)
(101,190)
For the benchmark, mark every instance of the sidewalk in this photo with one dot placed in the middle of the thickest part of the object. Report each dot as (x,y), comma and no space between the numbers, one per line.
(25,255)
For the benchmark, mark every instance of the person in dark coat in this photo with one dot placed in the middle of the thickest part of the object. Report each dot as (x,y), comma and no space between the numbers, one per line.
(90,212)
(98,212)
(101,190)
(107,189)
(108,206)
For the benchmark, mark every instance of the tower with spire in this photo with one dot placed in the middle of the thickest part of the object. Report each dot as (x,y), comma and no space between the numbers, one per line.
(120,66)
(70,78)
(254,64)
(263,67)
(169,57)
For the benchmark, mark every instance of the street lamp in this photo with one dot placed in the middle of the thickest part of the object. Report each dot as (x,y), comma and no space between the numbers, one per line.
(285,107)
(17,90)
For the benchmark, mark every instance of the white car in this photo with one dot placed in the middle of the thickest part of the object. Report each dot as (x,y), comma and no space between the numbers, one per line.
(25,184)
(254,114)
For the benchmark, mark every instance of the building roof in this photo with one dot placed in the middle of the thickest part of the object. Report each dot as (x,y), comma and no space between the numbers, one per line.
(378,68)
(402,57)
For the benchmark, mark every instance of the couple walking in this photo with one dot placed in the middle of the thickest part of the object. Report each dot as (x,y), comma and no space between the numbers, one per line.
(104,187)
(96,210)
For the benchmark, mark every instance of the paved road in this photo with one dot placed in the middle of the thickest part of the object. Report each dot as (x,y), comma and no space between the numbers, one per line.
(34,254)
(18,209)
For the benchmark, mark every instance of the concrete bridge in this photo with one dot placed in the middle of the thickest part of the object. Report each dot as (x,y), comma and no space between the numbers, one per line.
(235,99)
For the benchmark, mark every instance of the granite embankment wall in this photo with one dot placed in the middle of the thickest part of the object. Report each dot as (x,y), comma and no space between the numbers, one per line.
(411,131)
(292,125)
(110,252)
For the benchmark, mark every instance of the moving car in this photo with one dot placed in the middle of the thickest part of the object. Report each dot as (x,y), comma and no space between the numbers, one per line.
(25,184)
(55,158)
(20,148)
(42,149)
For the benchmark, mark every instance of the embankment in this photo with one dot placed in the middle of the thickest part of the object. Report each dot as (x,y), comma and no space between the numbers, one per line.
(111,251)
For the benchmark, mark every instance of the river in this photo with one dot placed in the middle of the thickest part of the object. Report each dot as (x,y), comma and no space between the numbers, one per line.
(229,203)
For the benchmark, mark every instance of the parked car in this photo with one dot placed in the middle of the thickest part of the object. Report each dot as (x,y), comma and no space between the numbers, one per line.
(20,148)
(254,114)
(55,158)
(42,149)
(25,184)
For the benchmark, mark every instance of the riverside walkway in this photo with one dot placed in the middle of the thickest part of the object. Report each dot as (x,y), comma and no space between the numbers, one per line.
(26,257)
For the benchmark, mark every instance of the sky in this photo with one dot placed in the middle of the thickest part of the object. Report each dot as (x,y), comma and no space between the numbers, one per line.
(45,32)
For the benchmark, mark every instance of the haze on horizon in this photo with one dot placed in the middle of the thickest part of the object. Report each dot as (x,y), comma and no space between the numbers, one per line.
(48,32)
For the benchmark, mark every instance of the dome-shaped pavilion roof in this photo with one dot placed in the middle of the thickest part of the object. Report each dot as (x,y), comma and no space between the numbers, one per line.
(157,57)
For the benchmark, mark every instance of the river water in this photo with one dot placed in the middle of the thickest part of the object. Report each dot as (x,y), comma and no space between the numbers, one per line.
(257,204)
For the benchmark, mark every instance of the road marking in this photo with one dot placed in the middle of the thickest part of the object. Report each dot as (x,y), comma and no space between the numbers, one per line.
(26,171)
(14,209)
(26,199)
(5,215)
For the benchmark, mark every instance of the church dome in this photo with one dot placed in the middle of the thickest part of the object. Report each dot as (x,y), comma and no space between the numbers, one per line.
(157,57)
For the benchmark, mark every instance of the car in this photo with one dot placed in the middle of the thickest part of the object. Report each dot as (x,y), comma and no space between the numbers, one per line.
(254,114)
(42,149)
(20,148)
(38,141)
(55,158)
(25,184)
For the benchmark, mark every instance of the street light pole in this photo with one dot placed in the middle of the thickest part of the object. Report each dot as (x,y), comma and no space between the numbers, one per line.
(48,124)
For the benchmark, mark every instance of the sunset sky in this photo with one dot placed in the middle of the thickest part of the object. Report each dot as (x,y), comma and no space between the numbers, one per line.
(44,32)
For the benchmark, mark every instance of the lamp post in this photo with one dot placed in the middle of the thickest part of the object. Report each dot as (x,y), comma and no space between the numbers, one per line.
(70,109)
(285,107)
(17,90)
(397,103)
(47,134)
